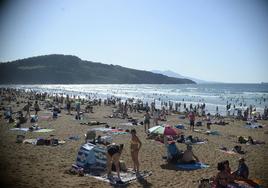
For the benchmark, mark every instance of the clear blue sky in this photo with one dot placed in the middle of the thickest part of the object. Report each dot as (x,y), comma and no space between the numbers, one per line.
(216,40)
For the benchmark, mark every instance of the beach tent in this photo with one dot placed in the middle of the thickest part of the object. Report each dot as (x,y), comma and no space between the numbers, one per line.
(90,154)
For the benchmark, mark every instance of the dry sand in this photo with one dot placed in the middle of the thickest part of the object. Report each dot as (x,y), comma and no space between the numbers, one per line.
(25,165)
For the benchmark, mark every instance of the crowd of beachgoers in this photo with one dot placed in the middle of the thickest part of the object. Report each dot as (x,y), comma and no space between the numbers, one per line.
(173,124)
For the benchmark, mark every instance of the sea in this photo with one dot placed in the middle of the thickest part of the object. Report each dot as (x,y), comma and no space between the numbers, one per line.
(240,96)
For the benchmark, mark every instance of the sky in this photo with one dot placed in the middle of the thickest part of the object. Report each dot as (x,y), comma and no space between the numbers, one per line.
(215,40)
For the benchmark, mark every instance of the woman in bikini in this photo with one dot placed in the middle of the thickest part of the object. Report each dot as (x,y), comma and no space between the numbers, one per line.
(135,148)
(113,155)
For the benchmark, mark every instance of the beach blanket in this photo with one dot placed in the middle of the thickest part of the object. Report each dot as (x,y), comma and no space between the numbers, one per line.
(112,131)
(37,131)
(102,129)
(34,142)
(127,124)
(118,132)
(193,166)
(126,177)
(253,126)
(203,142)
(180,127)
(217,133)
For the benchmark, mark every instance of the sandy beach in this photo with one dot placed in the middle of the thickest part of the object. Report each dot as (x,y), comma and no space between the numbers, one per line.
(31,166)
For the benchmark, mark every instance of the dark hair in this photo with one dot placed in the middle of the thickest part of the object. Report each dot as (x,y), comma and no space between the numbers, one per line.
(225,162)
(220,166)
(133,131)
(121,146)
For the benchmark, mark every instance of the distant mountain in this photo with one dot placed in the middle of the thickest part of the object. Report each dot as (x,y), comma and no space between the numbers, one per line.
(67,69)
(176,75)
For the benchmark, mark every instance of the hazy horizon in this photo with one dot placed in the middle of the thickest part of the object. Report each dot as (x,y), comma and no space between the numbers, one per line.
(223,41)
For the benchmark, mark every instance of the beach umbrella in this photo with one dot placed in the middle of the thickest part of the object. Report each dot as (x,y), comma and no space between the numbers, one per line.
(166,130)
(154,128)
(171,131)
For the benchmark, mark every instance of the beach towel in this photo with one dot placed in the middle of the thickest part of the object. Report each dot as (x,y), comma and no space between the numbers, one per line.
(118,132)
(217,133)
(203,142)
(127,124)
(43,130)
(126,177)
(193,166)
(37,131)
(20,129)
(253,126)
(102,129)
(180,126)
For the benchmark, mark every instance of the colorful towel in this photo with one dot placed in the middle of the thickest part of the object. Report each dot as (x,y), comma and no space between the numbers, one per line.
(193,166)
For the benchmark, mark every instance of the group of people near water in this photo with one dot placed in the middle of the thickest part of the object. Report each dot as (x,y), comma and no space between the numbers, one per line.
(114,151)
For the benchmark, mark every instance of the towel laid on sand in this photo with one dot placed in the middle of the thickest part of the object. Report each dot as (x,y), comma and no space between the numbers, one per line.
(37,131)
(112,131)
(193,166)
(126,177)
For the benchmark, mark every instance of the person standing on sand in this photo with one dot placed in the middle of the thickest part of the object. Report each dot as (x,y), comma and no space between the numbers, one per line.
(191,118)
(135,148)
(27,109)
(147,118)
(113,155)
(68,106)
(36,107)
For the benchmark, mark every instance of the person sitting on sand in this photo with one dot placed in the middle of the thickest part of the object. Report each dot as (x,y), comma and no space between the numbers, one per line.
(188,156)
(242,170)
(135,145)
(174,154)
(223,177)
(113,155)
